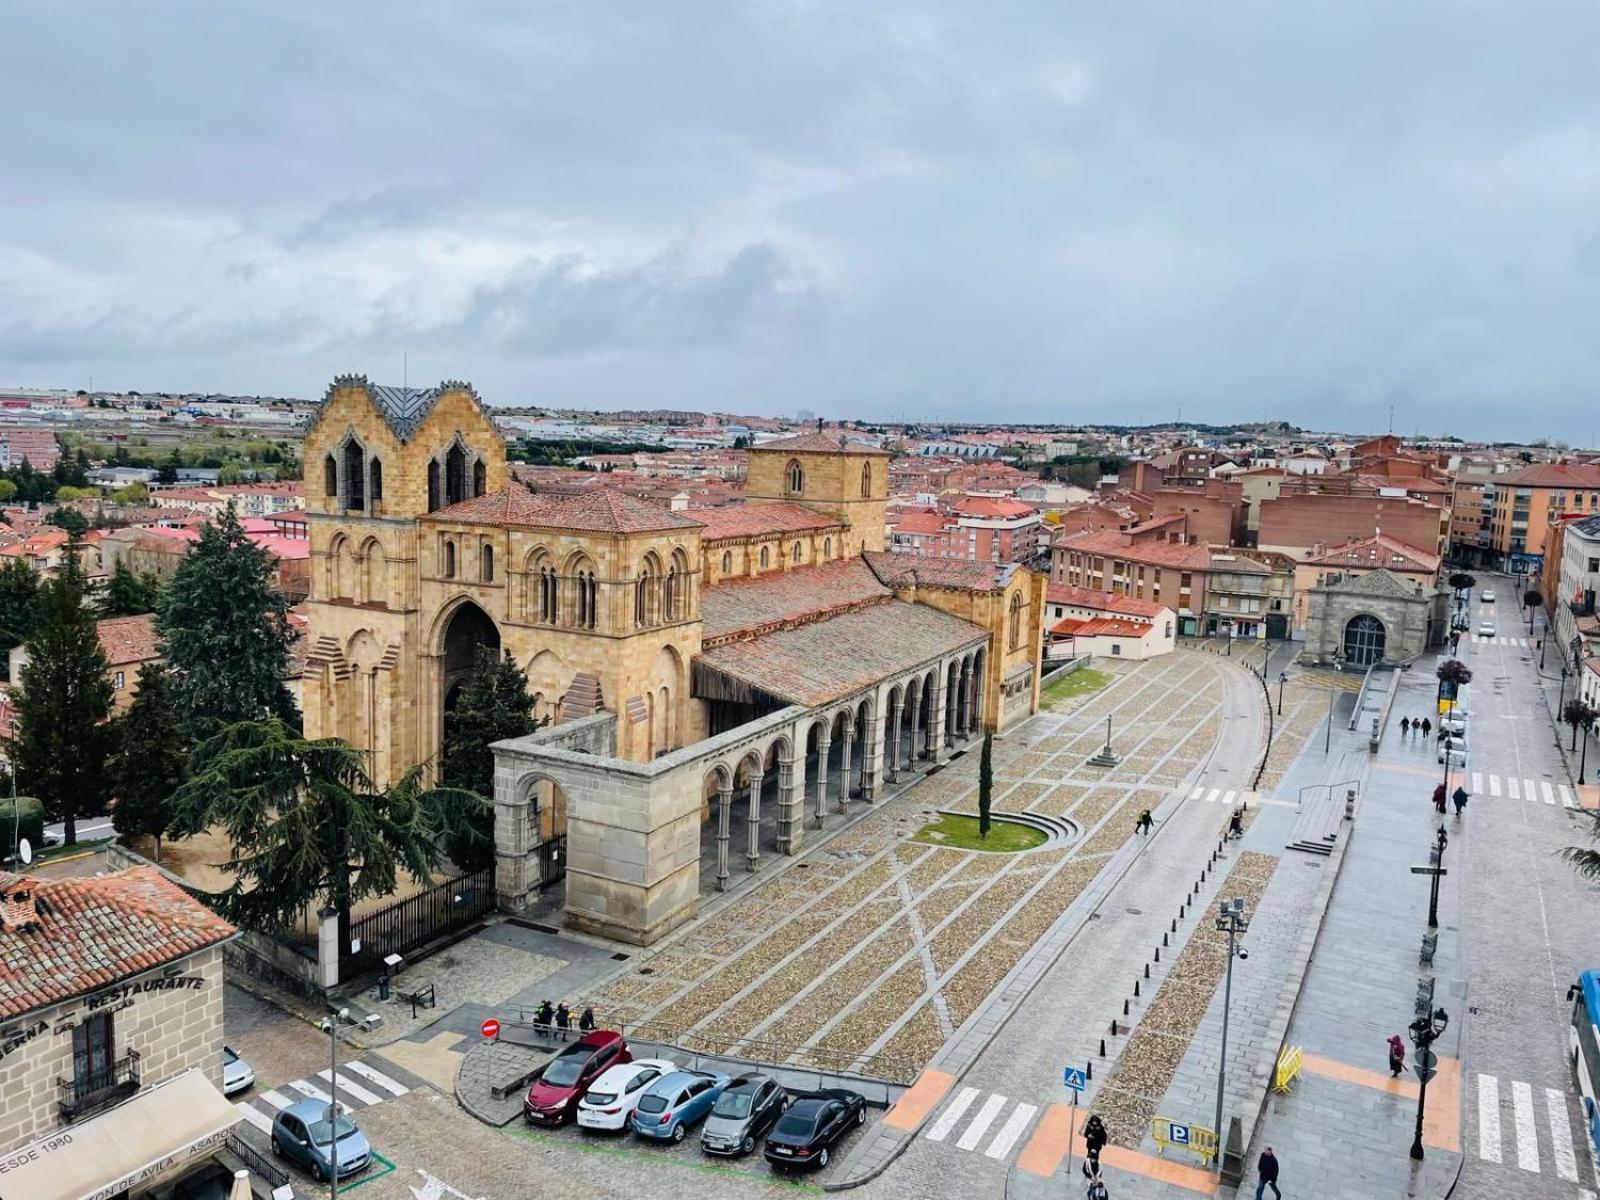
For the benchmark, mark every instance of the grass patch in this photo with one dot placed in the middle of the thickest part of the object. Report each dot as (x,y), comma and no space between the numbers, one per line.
(1075,683)
(962,832)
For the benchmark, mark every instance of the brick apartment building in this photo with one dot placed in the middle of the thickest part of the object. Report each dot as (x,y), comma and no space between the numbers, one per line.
(1330,510)
(1523,503)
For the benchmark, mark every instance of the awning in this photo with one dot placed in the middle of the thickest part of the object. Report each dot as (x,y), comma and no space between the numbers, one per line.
(163,1127)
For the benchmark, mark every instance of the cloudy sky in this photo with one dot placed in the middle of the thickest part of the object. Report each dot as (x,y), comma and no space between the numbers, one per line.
(1005,211)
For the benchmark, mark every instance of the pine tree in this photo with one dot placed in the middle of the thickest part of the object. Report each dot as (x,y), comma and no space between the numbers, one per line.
(19,601)
(225,631)
(985,784)
(148,760)
(129,593)
(493,704)
(60,738)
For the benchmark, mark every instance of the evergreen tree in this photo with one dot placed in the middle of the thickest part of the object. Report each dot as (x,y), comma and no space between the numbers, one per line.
(985,784)
(168,471)
(493,704)
(148,759)
(19,600)
(225,630)
(129,593)
(305,822)
(70,519)
(60,738)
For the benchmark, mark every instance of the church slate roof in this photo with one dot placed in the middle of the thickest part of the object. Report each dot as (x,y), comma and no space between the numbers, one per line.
(403,409)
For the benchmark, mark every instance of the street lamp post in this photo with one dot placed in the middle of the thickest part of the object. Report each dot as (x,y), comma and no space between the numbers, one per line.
(1425,1031)
(1562,698)
(1230,920)
(331,1024)
(1436,861)
(1283,678)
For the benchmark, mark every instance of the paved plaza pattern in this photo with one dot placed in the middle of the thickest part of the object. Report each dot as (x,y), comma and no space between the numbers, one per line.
(870,952)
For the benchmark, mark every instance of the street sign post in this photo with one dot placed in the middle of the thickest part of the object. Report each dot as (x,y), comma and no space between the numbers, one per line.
(1073,1078)
(491,1028)
(1430,870)
(1426,1062)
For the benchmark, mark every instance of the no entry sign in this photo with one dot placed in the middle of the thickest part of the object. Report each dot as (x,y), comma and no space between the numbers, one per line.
(491,1028)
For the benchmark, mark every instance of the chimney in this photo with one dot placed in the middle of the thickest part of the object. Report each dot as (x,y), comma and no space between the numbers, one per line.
(19,911)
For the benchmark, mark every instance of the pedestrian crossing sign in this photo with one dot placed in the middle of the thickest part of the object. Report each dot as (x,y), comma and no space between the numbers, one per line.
(1073,1078)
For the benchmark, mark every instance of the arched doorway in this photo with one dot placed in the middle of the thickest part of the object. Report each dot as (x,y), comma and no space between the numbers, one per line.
(469,627)
(1364,639)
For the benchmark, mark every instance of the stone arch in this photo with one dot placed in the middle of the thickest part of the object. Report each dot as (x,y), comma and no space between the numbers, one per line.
(374,573)
(583,590)
(330,477)
(342,575)
(546,818)
(547,676)
(462,627)
(375,479)
(352,475)
(763,558)
(727,562)
(644,590)
(358,717)
(794,477)
(794,554)
(455,473)
(1364,641)
(952,701)
(827,548)
(1014,622)
(486,563)
(667,678)
(540,590)
(866,481)
(676,603)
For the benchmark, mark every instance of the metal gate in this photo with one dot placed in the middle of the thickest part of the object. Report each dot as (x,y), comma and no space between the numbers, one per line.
(552,860)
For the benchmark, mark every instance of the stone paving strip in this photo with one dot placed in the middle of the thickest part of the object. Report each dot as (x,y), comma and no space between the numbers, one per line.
(1150,1057)
(1305,709)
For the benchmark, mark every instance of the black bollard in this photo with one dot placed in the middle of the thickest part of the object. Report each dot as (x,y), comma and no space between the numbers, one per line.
(1135,987)
(1113,1027)
(1088,1070)
(1147,970)
(1158,952)
(1174,929)
(1163,942)
(1102,1047)
(1125,1006)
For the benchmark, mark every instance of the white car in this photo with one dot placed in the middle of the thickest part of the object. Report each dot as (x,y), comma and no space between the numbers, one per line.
(236,1073)
(611,1099)
(1485,628)
(1455,748)
(1455,722)
(1487,596)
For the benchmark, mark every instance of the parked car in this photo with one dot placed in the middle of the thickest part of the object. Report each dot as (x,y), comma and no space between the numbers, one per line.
(302,1134)
(1487,595)
(553,1098)
(1455,748)
(1454,722)
(611,1099)
(236,1073)
(807,1133)
(674,1102)
(742,1115)
(1485,628)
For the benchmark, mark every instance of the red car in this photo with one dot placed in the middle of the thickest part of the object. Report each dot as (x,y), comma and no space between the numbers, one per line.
(553,1098)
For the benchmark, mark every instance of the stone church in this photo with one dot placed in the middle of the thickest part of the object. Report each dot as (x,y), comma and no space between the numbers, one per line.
(713,678)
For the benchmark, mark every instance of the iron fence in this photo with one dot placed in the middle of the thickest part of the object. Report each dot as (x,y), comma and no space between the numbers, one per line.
(417,920)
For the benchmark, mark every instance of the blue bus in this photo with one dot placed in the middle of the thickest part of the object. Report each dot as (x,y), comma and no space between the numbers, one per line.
(1585,1039)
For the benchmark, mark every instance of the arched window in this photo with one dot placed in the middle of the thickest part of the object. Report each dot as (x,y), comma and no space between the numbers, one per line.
(1015,632)
(375,479)
(727,562)
(586,600)
(330,476)
(433,485)
(796,477)
(478,477)
(794,554)
(827,547)
(669,594)
(763,558)
(487,557)
(449,560)
(354,476)
(866,481)
(545,581)
(455,475)
(641,602)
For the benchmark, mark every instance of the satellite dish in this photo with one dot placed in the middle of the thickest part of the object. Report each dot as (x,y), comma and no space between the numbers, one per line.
(24,851)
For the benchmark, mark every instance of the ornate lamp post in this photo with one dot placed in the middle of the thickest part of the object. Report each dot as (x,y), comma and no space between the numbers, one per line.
(1424,1032)
(1230,920)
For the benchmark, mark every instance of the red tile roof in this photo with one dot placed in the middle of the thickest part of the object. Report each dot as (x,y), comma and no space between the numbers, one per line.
(993,506)
(1101,626)
(128,639)
(745,605)
(819,443)
(1112,544)
(754,520)
(602,510)
(1081,597)
(94,931)
(1560,474)
(1379,551)
(939,570)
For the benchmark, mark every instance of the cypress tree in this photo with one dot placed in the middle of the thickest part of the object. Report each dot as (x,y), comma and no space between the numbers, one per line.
(60,739)
(129,594)
(225,631)
(985,785)
(493,704)
(148,760)
(19,601)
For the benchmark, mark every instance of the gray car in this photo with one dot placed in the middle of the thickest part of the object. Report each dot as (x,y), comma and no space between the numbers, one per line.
(746,1110)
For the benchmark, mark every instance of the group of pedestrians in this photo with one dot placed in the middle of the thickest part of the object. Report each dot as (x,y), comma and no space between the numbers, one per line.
(1408,727)
(1095,1138)
(560,1016)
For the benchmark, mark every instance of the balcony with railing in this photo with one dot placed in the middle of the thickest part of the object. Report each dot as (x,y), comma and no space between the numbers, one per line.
(95,1089)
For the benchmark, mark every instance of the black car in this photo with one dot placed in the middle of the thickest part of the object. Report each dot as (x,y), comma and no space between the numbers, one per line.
(747,1108)
(806,1134)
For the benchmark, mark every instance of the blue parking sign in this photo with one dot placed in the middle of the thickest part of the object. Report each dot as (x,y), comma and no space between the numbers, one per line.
(1177,1134)
(1073,1078)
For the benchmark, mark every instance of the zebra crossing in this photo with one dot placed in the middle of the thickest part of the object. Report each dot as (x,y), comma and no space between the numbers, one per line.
(974,1135)
(358,1083)
(1526,643)
(1511,787)
(1229,798)
(1525,1127)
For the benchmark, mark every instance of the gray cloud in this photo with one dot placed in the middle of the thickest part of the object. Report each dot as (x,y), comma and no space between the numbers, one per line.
(1016,211)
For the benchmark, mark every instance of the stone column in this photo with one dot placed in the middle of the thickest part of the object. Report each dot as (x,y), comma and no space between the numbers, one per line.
(894,741)
(916,724)
(966,697)
(872,755)
(752,850)
(791,807)
(724,815)
(936,746)
(844,763)
(824,744)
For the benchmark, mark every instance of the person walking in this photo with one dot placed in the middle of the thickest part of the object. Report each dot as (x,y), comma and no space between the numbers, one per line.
(1094,1141)
(1427,727)
(1459,797)
(1097,1191)
(563,1016)
(1267,1172)
(1405,726)
(544,1014)
(1438,797)
(1397,1054)
(586,1019)
(1142,825)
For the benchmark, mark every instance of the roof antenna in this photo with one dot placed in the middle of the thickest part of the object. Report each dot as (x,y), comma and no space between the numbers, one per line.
(405,373)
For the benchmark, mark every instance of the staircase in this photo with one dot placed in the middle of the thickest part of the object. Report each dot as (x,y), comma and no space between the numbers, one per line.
(1321,815)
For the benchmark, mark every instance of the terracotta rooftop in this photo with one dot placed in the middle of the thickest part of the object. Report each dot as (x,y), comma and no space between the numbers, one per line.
(742,605)
(1101,626)
(1081,597)
(1113,544)
(1379,551)
(128,639)
(93,931)
(935,570)
(994,506)
(817,442)
(753,520)
(601,510)
(823,661)
(1562,475)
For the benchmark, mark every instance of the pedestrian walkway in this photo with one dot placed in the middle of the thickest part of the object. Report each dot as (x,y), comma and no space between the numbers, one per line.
(1229,798)
(360,1086)
(1510,787)
(1526,643)
(1516,1119)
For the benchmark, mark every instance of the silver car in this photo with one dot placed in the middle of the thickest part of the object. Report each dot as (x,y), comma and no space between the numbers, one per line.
(743,1114)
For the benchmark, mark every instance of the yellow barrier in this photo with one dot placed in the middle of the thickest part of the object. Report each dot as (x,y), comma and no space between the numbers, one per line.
(1196,1139)
(1289,1060)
